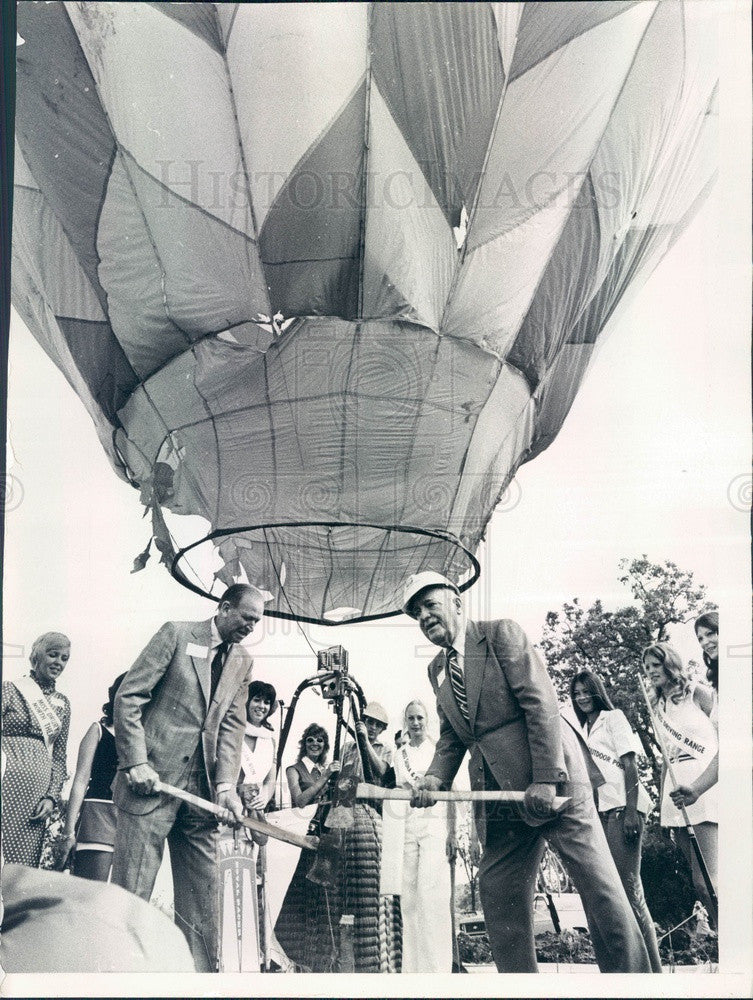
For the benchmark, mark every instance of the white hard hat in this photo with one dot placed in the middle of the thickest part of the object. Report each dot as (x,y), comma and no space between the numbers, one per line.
(375,711)
(422,581)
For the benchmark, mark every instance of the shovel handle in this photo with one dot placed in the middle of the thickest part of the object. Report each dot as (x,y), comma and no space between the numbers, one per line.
(365,791)
(256,825)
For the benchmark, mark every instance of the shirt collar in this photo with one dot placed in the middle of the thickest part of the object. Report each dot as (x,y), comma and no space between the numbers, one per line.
(310,764)
(216,639)
(459,643)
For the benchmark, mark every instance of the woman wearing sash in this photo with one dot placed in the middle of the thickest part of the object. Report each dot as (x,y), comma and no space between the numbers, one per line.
(684,710)
(36,719)
(707,633)
(421,841)
(622,800)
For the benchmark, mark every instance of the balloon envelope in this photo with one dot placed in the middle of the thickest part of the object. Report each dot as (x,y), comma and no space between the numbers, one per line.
(327,275)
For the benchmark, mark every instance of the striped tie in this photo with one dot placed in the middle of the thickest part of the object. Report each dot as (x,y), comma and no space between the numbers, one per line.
(457,682)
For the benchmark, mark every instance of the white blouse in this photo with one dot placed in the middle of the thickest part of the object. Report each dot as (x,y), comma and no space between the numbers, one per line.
(611,736)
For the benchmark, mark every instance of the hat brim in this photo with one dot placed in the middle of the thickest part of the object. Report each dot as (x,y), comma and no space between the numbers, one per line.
(374,719)
(429,586)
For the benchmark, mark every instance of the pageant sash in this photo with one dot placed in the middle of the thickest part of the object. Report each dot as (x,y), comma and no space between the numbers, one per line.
(248,756)
(40,708)
(681,745)
(413,775)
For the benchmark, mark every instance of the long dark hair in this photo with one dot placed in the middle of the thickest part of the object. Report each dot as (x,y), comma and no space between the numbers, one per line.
(595,687)
(710,620)
(109,706)
(265,691)
(314,729)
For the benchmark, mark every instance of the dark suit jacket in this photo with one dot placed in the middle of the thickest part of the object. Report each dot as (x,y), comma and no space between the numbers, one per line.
(514,722)
(162,710)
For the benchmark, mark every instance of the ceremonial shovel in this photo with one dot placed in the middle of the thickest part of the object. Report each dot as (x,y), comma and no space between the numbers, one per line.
(341,816)
(255,825)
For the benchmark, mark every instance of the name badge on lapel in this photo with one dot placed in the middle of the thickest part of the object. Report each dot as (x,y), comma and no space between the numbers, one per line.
(192,649)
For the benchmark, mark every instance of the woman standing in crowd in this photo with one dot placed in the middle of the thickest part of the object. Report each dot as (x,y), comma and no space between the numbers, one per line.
(36,720)
(91,815)
(303,925)
(683,710)
(257,778)
(623,802)
(427,842)
(308,927)
(308,777)
(707,633)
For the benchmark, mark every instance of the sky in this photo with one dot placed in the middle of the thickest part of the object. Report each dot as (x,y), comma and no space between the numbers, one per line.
(653,458)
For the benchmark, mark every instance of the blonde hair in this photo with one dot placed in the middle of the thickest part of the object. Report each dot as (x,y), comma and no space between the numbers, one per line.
(39,645)
(673,668)
(414,701)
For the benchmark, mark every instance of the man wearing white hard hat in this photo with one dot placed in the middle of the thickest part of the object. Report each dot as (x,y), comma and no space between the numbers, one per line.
(373,723)
(496,700)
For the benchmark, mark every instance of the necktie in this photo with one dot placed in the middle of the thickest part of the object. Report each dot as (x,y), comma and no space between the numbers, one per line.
(217,662)
(457,681)
(315,772)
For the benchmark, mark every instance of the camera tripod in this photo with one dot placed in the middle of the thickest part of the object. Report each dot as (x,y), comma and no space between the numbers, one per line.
(342,691)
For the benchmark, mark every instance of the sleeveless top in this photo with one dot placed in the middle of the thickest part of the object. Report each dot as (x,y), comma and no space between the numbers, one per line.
(104,766)
(305,778)
(692,742)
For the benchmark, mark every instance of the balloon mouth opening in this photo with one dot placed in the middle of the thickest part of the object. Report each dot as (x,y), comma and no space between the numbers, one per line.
(323,572)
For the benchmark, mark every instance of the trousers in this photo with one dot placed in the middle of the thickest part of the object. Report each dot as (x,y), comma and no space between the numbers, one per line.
(425,894)
(627,858)
(192,838)
(507,883)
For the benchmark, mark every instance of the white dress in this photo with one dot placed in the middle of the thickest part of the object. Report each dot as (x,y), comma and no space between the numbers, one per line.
(425,890)
(692,742)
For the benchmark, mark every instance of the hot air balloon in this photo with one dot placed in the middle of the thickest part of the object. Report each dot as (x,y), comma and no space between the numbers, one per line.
(326,275)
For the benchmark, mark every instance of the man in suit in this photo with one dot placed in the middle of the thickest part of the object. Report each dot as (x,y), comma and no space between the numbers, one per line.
(496,700)
(180,715)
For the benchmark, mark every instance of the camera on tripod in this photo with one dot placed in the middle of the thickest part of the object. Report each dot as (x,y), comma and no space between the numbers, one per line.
(332,663)
(344,695)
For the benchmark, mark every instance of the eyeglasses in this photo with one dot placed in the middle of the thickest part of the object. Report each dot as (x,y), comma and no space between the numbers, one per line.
(314,739)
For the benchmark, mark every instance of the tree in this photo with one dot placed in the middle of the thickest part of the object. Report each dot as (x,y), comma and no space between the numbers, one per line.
(610,643)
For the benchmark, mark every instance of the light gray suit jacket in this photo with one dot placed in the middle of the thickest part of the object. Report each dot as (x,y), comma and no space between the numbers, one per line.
(514,722)
(163,710)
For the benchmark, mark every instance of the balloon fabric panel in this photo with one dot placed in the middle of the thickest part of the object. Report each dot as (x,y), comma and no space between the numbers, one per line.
(325,276)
